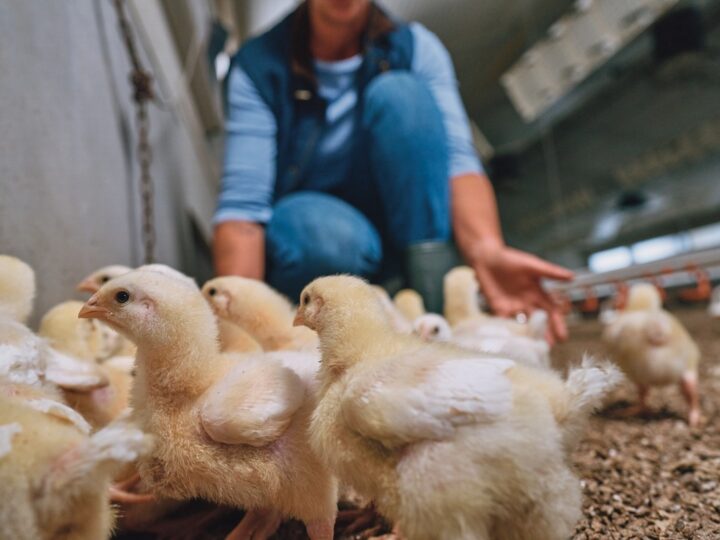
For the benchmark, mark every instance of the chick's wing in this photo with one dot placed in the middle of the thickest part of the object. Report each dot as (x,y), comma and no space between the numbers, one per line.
(411,398)
(658,328)
(253,404)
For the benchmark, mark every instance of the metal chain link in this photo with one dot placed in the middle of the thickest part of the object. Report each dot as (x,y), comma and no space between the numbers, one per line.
(142,94)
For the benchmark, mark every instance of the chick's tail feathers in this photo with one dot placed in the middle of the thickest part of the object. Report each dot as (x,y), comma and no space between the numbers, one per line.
(587,385)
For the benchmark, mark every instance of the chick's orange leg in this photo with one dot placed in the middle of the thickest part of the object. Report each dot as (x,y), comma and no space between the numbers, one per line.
(256,525)
(641,407)
(187,528)
(689,387)
(128,483)
(121,493)
(359,519)
(125,497)
(321,530)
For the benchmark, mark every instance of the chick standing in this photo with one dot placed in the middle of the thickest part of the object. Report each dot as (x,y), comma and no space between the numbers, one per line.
(54,479)
(654,349)
(448,445)
(260,310)
(229,429)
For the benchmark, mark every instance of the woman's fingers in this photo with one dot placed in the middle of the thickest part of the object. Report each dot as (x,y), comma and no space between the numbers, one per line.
(545,269)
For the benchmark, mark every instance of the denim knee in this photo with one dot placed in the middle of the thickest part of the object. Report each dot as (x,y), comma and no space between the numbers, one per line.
(403,101)
(313,234)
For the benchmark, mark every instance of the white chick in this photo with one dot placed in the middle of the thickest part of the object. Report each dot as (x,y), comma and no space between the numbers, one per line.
(54,479)
(462,306)
(526,350)
(448,447)
(397,319)
(654,349)
(432,327)
(714,306)
(216,417)
(260,310)
(410,304)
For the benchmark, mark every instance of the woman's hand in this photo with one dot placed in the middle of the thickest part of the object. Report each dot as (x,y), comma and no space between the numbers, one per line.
(510,280)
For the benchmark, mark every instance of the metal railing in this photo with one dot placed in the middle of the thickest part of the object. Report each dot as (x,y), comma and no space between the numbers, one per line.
(677,271)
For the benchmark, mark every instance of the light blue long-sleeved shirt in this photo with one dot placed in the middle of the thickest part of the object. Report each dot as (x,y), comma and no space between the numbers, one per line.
(250,147)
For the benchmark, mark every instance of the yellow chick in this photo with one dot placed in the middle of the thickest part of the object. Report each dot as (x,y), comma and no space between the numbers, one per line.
(260,310)
(54,479)
(229,429)
(17,289)
(448,444)
(26,359)
(95,343)
(398,321)
(462,307)
(93,281)
(89,339)
(410,304)
(654,349)
(234,339)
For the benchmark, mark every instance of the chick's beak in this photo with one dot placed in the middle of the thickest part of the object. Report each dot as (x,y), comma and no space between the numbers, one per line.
(299,318)
(87,285)
(91,310)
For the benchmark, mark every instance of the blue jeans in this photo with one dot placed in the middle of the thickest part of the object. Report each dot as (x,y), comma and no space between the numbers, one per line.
(398,196)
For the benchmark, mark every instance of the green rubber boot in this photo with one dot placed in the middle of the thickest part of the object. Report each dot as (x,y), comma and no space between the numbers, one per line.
(426,266)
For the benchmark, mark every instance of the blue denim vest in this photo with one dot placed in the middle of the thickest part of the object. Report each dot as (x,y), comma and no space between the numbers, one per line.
(280,66)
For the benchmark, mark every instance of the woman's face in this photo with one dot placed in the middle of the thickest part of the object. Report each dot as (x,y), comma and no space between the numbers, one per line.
(340,12)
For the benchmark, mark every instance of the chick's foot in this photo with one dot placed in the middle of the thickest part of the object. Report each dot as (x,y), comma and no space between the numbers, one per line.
(256,525)
(187,528)
(689,388)
(121,492)
(120,496)
(639,409)
(352,521)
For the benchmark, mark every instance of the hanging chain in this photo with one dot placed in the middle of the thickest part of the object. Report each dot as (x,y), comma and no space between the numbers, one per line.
(142,94)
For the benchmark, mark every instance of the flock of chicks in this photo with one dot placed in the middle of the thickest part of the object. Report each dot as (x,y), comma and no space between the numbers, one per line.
(155,391)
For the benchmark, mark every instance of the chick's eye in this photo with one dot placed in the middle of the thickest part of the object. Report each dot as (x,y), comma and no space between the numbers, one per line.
(104,279)
(305,299)
(436,330)
(212,291)
(122,296)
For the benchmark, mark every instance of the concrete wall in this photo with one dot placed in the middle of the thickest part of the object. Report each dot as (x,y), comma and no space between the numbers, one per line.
(68,178)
